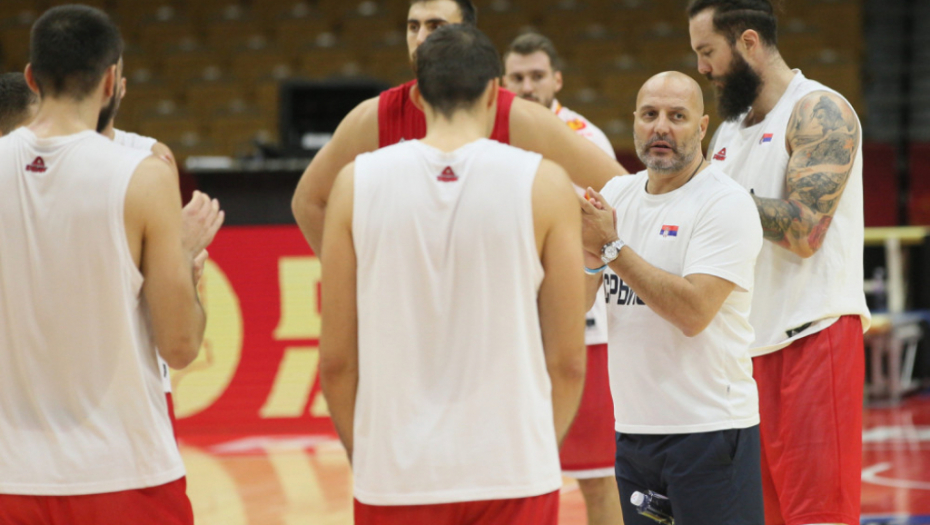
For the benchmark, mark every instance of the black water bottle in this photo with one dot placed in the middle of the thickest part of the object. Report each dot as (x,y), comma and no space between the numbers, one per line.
(654,506)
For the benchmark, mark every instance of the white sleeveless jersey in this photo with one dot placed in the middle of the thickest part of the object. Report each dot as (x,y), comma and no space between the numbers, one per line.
(596,320)
(454,399)
(134,141)
(795,297)
(81,404)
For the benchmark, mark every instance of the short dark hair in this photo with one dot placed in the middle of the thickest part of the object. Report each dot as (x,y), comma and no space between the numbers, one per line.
(734,17)
(466,7)
(71,47)
(454,66)
(15,99)
(529,43)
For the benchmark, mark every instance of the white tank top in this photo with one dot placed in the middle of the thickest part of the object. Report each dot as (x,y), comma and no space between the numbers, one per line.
(82,409)
(454,400)
(596,320)
(795,297)
(134,141)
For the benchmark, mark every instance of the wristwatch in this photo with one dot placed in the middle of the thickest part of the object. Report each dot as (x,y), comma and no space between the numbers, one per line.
(611,250)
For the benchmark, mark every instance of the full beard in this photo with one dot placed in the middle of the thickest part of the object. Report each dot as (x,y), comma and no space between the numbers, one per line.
(741,87)
(108,113)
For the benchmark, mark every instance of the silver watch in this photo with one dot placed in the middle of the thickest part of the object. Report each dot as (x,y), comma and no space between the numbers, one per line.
(611,250)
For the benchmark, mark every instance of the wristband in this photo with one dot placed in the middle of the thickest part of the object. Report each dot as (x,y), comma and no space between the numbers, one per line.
(594,271)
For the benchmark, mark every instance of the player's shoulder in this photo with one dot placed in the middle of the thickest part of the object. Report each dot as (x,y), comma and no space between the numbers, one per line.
(623,185)
(811,92)
(576,121)
(717,189)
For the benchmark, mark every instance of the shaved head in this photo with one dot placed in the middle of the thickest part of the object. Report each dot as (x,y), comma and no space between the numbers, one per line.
(669,122)
(674,85)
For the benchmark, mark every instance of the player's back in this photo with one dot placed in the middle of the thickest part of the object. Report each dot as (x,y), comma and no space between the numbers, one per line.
(81,406)
(454,400)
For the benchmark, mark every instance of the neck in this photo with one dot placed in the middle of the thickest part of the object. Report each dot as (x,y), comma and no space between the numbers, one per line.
(59,117)
(109,132)
(450,134)
(660,183)
(776,76)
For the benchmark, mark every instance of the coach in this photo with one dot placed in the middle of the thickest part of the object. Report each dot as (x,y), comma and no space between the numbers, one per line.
(676,260)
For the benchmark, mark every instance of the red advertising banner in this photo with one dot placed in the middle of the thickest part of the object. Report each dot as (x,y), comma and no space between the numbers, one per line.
(257,369)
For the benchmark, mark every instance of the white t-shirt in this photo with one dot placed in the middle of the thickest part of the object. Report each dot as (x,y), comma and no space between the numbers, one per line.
(596,320)
(796,297)
(663,382)
(454,399)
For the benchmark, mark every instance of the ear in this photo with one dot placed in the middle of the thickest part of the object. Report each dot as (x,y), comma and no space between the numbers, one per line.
(705,122)
(494,86)
(109,82)
(122,90)
(558,81)
(416,97)
(749,41)
(31,80)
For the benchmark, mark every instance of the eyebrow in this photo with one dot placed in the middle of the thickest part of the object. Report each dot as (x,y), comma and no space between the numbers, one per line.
(676,108)
(702,46)
(431,20)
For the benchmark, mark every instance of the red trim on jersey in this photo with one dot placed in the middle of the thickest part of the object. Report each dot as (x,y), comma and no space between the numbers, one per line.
(399,119)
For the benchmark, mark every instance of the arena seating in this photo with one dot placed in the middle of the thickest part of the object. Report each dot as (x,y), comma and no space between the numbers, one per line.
(203,74)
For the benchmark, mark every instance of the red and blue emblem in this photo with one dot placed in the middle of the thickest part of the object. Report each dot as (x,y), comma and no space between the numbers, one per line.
(669,231)
(766,138)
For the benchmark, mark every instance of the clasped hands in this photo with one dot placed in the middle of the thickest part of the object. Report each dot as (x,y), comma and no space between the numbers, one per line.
(598,226)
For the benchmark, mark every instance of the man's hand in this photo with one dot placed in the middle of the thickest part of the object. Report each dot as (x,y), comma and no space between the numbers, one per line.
(201,219)
(598,222)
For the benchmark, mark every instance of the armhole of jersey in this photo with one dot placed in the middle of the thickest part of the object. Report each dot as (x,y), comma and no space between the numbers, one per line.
(383,118)
(539,270)
(501,131)
(713,143)
(121,188)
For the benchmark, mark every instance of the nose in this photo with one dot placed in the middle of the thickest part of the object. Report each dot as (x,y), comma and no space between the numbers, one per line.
(662,125)
(526,87)
(703,66)
(422,34)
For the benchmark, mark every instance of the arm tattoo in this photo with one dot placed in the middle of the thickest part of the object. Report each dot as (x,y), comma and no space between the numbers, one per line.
(824,137)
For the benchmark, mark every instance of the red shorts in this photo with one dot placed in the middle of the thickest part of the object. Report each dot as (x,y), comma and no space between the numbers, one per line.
(589,448)
(162,505)
(538,510)
(810,405)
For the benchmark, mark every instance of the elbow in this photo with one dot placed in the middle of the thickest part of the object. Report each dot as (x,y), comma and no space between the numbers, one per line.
(571,369)
(694,327)
(806,252)
(332,367)
(181,353)
(298,206)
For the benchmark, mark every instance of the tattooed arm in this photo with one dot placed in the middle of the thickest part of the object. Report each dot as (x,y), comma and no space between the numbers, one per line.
(823,138)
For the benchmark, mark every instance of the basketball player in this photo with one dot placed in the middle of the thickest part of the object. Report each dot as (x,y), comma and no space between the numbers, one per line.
(17,102)
(394,116)
(451,279)
(85,436)
(532,70)
(677,245)
(795,144)
(200,208)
